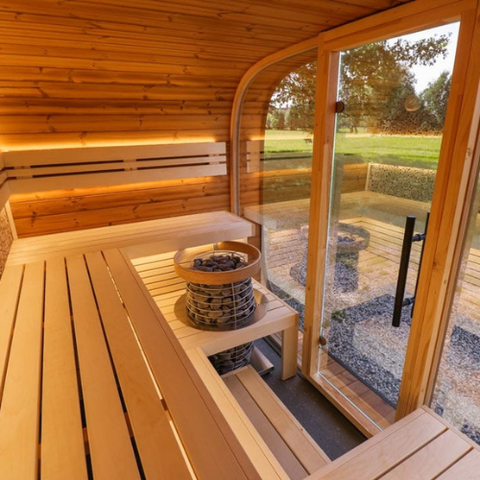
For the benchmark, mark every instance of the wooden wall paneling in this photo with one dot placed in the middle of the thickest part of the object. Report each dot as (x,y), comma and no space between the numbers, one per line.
(87,73)
(90,72)
(115,216)
(56,211)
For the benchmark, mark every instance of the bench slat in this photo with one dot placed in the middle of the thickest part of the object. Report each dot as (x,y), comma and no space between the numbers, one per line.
(216,453)
(19,415)
(273,439)
(9,296)
(111,449)
(466,470)
(307,451)
(431,461)
(268,465)
(63,449)
(158,448)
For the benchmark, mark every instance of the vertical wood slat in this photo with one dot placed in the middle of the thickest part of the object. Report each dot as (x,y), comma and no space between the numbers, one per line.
(432,460)
(466,470)
(62,441)
(287,459)
(20,407)
(158,448)
(186,397)
(10,286)
(111,450)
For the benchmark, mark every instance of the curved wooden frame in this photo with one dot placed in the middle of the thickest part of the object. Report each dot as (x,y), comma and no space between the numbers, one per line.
(238,101)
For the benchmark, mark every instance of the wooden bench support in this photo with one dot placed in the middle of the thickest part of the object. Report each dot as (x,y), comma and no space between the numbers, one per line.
(293,447)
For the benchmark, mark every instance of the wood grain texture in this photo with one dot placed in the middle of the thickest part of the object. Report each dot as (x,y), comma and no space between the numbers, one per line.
(63,449)
(185,396)
(120,56)
(110,447)
(20,414)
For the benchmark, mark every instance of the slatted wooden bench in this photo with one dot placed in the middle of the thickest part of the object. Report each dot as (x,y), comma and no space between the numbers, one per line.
(94,384)
(291,444)
(138,239)
(94,381)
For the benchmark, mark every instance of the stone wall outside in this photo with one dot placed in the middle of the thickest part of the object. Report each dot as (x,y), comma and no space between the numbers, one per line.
(404,182)
(6,239)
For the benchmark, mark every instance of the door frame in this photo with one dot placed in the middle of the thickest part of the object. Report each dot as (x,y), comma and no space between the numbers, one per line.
(452,196)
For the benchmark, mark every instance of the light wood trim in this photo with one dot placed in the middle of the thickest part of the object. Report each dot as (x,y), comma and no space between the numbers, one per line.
(327,80)
(4,194)
(10,288)
(310,455)
(62,440)
(467,469)
(111,451)
(190,404)
(240,94)
(266,463)
(11,221)
(20,413)
(404,19)
(113,178)
(37,170)
(148,418)
(275,442)
(376,457)
(397,21)
(66,156)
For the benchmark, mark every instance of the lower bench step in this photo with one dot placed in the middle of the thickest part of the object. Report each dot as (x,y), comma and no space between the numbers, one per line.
(293,447)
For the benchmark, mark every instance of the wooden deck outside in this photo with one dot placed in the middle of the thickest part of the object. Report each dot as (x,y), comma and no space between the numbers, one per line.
(377,266)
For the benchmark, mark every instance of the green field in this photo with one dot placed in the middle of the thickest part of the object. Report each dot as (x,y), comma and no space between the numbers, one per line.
(418,151)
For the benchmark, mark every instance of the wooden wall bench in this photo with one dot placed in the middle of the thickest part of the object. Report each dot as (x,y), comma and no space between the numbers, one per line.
(137,239)
(94,382)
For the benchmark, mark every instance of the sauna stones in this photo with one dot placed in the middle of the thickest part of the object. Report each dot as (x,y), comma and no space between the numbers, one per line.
(226,306)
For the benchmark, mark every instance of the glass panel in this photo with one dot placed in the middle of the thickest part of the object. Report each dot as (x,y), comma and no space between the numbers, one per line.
(386,151)
(457,390)
(276,172)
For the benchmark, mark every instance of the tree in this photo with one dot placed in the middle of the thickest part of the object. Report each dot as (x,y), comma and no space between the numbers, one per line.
(374,80)
(296,92)
(376,77)
(435,98)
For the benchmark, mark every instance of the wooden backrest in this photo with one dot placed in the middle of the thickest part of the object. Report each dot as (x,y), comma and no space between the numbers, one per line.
(40,170)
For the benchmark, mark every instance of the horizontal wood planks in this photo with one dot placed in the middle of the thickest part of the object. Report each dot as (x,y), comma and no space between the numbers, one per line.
(137,239)
(69,210)
(94,383)
(91,72)
(422,445)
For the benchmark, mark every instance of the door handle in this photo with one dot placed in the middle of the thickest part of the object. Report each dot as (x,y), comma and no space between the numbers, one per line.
(408,239)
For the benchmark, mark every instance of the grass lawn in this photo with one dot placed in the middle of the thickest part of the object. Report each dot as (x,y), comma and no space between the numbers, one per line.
(418,151)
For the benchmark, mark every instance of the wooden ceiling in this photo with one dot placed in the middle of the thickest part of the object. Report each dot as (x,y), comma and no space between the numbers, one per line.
(92,72)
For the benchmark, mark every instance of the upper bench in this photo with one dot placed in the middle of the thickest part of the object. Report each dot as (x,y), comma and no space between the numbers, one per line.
(139,239)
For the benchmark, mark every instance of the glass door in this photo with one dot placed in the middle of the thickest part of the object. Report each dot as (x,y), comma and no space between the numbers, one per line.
(392,101)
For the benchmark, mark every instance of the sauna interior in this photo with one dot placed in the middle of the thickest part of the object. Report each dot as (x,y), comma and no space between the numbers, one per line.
(334,145)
